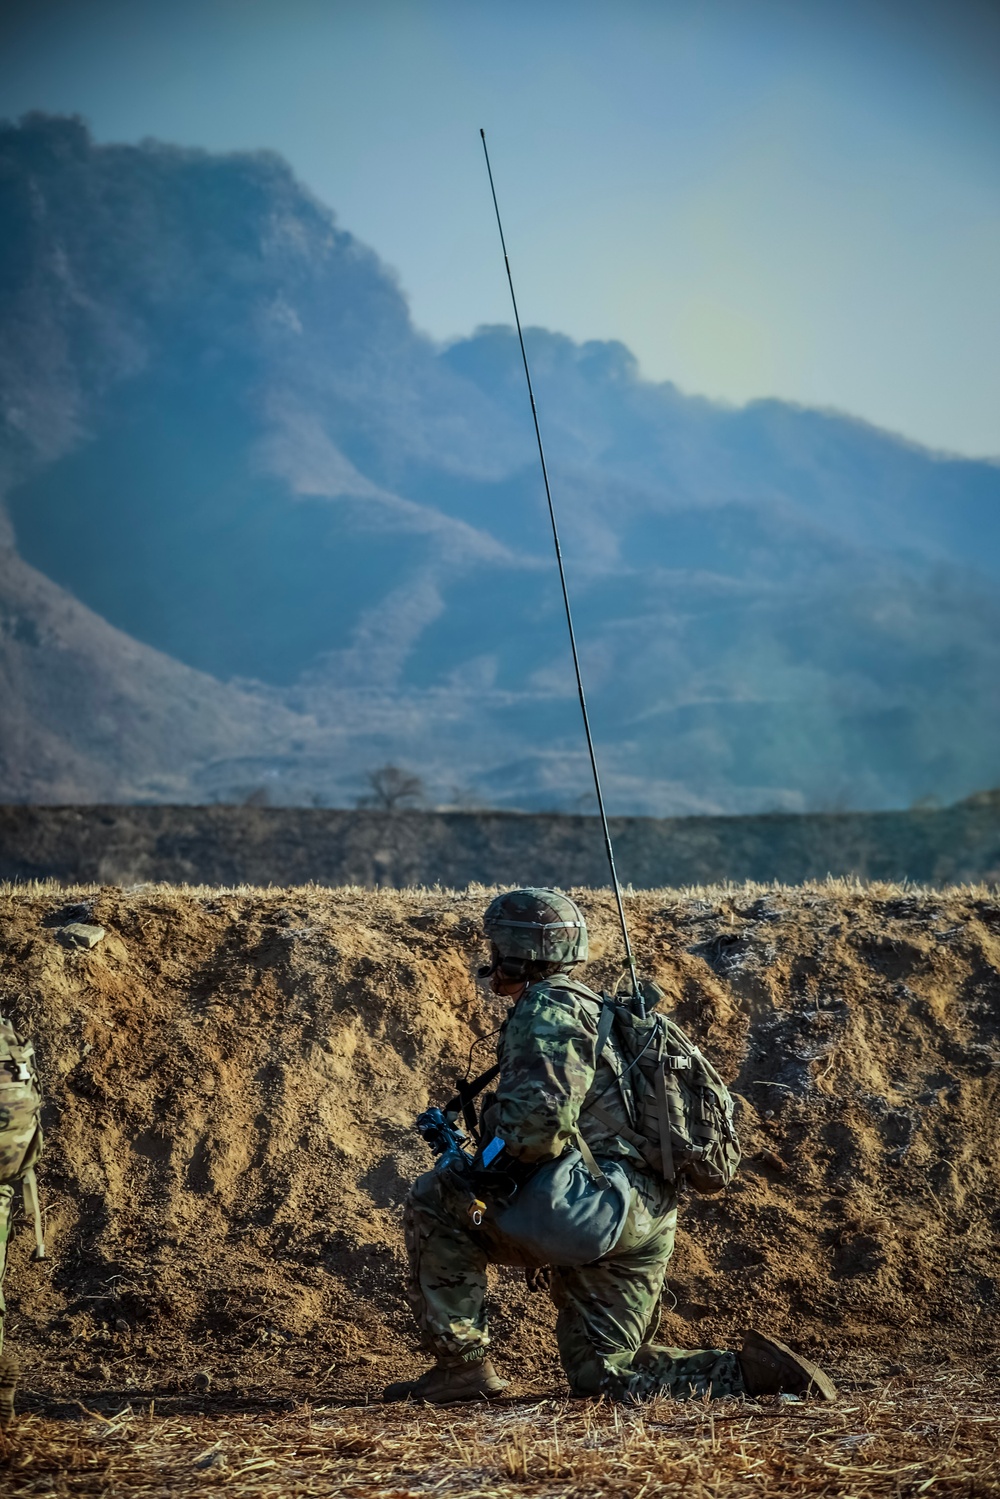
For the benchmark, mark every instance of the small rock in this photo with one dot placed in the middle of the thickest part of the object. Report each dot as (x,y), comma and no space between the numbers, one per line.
(121,1325)
(768,1158)
(214,1459)
(80,934)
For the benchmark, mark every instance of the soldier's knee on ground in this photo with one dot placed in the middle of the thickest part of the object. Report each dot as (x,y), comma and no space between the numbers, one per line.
(652,1371)
(685,1375)
(595,1376)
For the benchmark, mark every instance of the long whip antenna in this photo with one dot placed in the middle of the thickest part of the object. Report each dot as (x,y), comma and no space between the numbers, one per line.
(636,991)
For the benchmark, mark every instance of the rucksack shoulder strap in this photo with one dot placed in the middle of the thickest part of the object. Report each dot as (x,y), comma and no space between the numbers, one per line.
(604,1026)
(574,986)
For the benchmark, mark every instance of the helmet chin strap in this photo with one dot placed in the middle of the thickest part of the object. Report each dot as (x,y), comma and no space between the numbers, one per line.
(511,968)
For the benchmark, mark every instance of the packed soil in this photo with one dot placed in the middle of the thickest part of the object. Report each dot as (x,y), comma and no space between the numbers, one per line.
(232,1078)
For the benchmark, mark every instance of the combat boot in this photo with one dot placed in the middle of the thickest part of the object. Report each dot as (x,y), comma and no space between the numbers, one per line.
(8,1384)
(455,1377)
(771,1368)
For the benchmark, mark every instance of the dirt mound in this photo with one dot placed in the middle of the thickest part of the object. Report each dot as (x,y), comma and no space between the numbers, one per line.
(232,1078)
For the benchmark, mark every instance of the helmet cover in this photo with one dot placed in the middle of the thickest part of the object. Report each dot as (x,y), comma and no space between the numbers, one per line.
(537,925)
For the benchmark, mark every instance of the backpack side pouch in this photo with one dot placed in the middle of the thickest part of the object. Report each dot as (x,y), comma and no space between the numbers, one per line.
(561,1216)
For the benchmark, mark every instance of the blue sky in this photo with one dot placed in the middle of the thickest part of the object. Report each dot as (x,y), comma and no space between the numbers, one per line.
(759,198)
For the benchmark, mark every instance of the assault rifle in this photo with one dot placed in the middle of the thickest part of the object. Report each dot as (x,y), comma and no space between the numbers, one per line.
(445,1139)
(448,1141)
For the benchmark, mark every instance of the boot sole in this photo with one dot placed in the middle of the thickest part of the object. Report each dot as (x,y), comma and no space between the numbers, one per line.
(772,1367)
(405,1391)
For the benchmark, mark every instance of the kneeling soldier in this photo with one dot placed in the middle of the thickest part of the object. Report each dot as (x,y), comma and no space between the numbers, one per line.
(578,1172)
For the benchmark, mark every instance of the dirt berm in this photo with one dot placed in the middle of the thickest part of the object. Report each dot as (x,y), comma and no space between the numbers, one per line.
(232,1078)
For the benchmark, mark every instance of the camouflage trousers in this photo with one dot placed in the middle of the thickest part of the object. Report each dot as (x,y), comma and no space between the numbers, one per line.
(6,1220)
(606,1311)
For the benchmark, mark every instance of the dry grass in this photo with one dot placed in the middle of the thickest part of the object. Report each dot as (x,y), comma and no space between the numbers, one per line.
(837,886)
(937,1437)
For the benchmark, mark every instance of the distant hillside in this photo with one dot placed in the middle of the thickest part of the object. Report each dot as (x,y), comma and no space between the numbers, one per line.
(222,435)
(300,845)
(88,709)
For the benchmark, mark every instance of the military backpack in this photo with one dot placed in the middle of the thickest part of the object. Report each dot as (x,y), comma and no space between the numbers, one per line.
(20,1121)
(681,1111)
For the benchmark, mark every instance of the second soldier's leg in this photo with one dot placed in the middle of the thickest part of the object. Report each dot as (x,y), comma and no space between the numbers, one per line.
(8,1366)
(606,1312)
(6,1214)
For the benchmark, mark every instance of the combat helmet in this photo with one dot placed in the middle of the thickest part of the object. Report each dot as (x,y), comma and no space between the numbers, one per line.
(535,926)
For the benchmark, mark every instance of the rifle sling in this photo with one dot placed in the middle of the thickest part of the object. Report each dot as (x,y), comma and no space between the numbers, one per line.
(29,1188)
(467,1092)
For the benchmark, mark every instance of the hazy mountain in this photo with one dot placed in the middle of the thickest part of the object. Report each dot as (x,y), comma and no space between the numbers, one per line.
(223,436)
(90,712)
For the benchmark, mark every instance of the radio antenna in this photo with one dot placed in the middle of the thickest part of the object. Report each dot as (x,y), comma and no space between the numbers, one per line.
(637,999)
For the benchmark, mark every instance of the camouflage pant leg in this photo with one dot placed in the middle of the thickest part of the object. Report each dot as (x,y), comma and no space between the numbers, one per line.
(447,1280)
(608,1309)
(6,1214)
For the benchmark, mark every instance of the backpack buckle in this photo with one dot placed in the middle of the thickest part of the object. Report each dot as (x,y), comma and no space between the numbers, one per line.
(18,1072)
(677,1063)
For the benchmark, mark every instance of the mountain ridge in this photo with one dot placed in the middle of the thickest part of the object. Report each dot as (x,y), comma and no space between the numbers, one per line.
(222,434)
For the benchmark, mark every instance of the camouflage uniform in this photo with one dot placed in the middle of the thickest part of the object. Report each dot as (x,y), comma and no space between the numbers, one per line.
(607,1309)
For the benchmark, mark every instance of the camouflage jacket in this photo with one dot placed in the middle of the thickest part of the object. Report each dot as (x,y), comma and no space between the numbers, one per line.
(547,1062)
